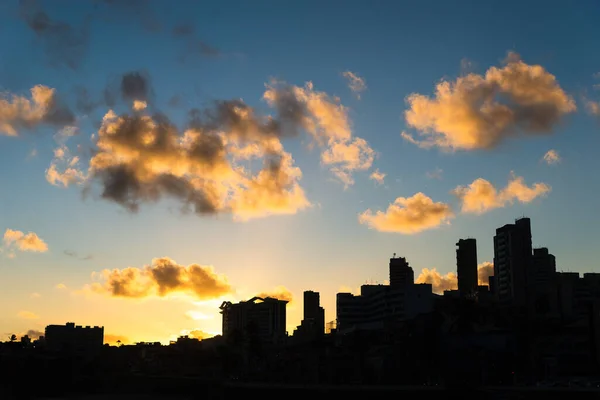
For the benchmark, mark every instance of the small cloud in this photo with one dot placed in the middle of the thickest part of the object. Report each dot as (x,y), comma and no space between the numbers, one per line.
(61,286)
(139,105)
(35,295)
(408,215)
(32,154)
(34,334)
(279,293)
(481,196)
(377,176)
(355,83)
(17,240)
(552,157)
(439,282)
(435,174)
(196,334)
(27,315)
(197,315)
(592,107)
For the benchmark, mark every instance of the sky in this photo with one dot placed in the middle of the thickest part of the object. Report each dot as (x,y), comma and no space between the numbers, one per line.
(158,160)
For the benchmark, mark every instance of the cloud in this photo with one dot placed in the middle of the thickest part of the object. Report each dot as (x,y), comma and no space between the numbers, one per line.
(35,295)
(60,286)
(552,157)
(27,315)
(484,271)
(480,111)
(74,254)
(197,315)
(135,85)
(63,43)
(19,113)
(280,293)
(408,215)
(161,278)
(327,121)
(592,107)
(435,174)
(17,240)
(141,159)
(481,196)
(355,83)
(115,339)
(377,176)
(197,334)
(439,282)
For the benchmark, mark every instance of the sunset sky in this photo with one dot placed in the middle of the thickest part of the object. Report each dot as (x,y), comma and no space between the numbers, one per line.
(159,159)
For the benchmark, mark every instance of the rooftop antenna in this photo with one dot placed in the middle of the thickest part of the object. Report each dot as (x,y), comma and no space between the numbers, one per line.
(394,255)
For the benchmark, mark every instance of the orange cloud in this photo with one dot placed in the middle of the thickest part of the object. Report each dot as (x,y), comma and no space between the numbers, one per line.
(164,276)
(27,315)
(377,176)
(197,334)
(17,112)
(24,241)
(280,293)
(479,111)
(481,196)
(552,157)
(408,215)
(440,282)
(327,121)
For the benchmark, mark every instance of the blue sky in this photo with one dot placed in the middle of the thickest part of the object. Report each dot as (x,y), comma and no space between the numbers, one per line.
(398,48)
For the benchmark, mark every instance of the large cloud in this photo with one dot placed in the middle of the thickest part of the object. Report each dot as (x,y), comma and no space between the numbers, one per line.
(440,282)
(408,215)
(327,121)
(20,113)
(141,158)
(17,240)
(481,196)
(480,111)
(164,276)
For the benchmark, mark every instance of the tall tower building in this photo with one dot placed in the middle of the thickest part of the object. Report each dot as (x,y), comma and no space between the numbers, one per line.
(512,261)
(401,274)
(313,311)
(466,266)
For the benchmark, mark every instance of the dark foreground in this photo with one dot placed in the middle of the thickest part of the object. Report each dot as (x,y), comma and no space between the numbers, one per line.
(162,388)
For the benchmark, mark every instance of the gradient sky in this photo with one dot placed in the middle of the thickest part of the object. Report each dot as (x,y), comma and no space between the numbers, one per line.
(521,80)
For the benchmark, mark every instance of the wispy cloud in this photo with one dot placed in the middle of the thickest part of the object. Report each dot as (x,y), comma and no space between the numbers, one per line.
(355,83)
(28,315)
(377,176)
(552,157)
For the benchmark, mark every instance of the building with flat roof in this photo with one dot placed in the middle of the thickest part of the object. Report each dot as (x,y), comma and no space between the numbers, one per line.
(263,318)
(466,267)
(74,339)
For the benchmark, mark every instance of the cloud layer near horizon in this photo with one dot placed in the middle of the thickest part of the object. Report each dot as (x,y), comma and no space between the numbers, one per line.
(480,111)
(440,282)
(161,278)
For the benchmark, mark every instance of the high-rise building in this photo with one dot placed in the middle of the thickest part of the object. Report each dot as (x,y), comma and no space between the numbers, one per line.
(401,274)
(264,318)
(74,339)
(466,266)
(313,311)
(512,261)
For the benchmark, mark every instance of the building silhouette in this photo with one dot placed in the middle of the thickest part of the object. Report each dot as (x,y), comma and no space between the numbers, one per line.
(74,339)
(313,324)
(466,267)
(401,274)
(512,260)
(261,318)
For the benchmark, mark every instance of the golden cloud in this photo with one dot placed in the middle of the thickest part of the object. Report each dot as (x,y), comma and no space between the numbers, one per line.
(164,276)
(279,293)
(440,282)
(479,111)
(377,176)
(27,315)
(481,196)
(408,215)
(17,112)
(327,121)
(24,241)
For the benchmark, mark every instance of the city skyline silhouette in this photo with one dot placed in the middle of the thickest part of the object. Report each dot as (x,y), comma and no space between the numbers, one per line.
(346,178)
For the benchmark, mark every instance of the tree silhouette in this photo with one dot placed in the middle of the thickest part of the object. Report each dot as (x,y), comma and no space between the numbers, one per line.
(13,338)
